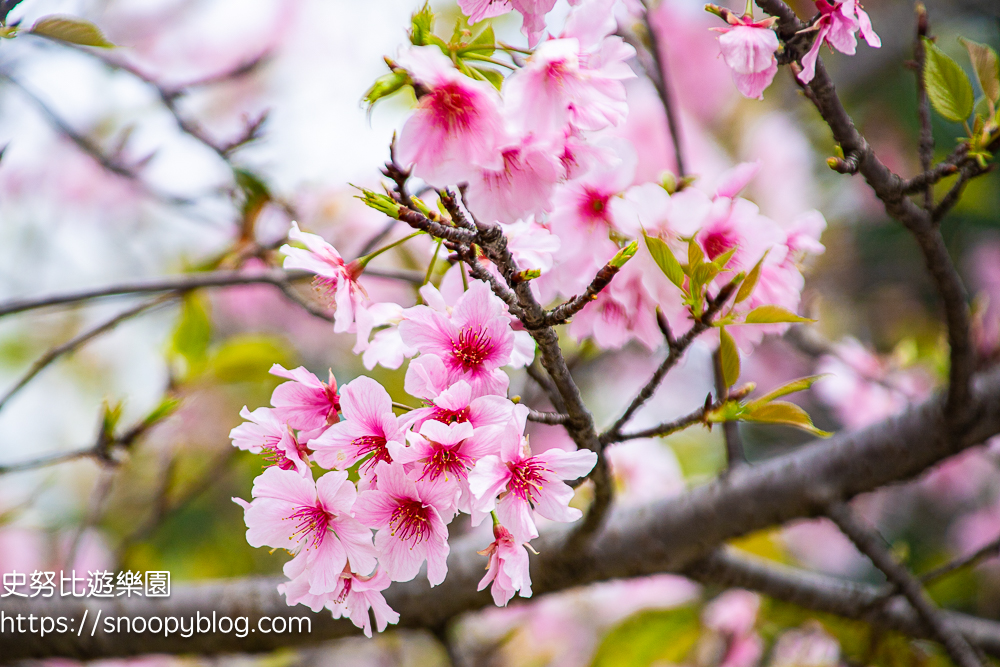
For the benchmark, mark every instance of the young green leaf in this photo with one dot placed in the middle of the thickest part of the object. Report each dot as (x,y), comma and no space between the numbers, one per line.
(948,88)
(484,43)
(386,85)
(193,333)
(986,66)
(773,315)
(491,75)
(422,25)
(747,288)
(729,358)
(724,258)
(695,255)
(71,30)
(792,387)
(664,258)
(782,412)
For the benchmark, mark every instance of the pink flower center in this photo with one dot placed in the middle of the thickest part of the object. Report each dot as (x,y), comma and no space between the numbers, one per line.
(445,461)
(452,107)
(313,521)
(717,243)
(374,445)
(410,522)
(334,400)
(472,348)
(526,479)
(446,416)
(326,287)
(345,591)
(275,456)
(593,206)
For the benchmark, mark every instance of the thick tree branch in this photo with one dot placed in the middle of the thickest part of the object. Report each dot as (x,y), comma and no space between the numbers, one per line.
(671,535)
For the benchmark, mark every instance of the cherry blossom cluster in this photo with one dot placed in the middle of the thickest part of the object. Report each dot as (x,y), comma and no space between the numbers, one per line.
(361,490)
(748,47)
(404,477)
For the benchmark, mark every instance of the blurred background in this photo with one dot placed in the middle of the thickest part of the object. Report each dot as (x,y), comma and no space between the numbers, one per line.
(100,184)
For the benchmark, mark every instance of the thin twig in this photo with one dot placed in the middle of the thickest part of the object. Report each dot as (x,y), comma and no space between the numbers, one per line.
(926,145)
(662,85)
(873,546)
(564,311)
(670,427)
(674,354)
(79,340)
(991,550)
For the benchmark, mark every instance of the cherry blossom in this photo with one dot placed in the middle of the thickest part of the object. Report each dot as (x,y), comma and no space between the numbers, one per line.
(356,594)
(748,49)
(311,520)
(837,26)
(333,277)
(456,405)
(368,426)
(520,187)
(306,403)
(507,568)
(457,123)
(525,482)
(265,433)
(472,343)
(409,519)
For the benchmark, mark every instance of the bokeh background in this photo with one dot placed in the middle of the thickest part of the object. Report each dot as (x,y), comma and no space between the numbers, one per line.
(67,221)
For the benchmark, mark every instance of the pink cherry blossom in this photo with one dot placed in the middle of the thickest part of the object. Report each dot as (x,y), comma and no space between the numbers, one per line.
(265,433)
(748,49)
(623,311)
(520,187)
(307,403)
(408,516)
(525,482)
(457,124)
(456,405)
(443,454)
(477,10)
(472,343)
(533,13)
(507,568)
(369,424)
(313,521)
(357,594)
(333,277)
(555,89)
(837,25)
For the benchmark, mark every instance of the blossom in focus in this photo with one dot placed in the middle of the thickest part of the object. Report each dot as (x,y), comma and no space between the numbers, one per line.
(507,568)
(313,521)
(306,403)
(457,124)
(456,405)
(411,528)
(472,342)
(520,187)
(333,276)
(748,48)
(357,594)
(265,433)
(368,425)
(837,26)
(525,482)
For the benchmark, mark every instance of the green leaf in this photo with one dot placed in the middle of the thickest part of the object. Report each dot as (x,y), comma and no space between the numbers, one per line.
(782,412)
(773,315)
(948,88)
(695,255)
(624,255)
(792,387)
(192,333)
(380,202)
(166,408)
(664,258)
(491,75)
(71,30)
(748,286)
(484,43)
(662,636)
(111,414)
(729,358)
(248,359)
(723,259)
(986,66)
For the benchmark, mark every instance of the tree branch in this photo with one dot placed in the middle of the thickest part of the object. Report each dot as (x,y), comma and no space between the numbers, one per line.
(662,84)
(873,546)
(668,536)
